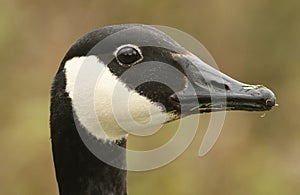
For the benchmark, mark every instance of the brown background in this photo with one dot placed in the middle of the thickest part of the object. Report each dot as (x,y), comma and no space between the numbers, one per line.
(254,41)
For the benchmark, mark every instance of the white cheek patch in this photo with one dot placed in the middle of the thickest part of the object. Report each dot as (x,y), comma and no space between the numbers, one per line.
(105,106)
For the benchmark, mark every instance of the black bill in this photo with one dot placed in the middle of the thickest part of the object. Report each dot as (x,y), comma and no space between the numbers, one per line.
(210,90)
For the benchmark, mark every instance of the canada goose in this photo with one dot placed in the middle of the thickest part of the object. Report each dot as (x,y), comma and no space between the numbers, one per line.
(112,51)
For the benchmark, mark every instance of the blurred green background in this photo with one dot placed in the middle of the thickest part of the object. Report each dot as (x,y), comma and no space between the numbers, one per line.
(254,41)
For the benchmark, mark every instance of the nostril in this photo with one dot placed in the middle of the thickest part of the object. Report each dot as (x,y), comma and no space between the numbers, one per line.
(227,87)
(220,85)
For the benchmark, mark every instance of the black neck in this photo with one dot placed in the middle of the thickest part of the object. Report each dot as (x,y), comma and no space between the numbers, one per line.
(78,171)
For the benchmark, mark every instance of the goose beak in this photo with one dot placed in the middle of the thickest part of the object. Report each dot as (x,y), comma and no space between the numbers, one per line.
(210,90)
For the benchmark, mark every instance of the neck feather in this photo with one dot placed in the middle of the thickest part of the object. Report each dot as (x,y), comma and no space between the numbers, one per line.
(78,171)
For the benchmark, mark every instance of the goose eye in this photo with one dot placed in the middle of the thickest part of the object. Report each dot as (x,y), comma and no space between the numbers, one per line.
(128,56)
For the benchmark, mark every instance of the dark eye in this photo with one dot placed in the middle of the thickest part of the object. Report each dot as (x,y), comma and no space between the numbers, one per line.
(128,55)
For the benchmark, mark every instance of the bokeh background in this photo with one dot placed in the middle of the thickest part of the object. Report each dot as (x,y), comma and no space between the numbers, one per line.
(254,41)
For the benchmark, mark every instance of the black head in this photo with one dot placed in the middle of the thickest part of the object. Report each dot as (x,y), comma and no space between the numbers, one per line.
(163,81)
(154,65)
